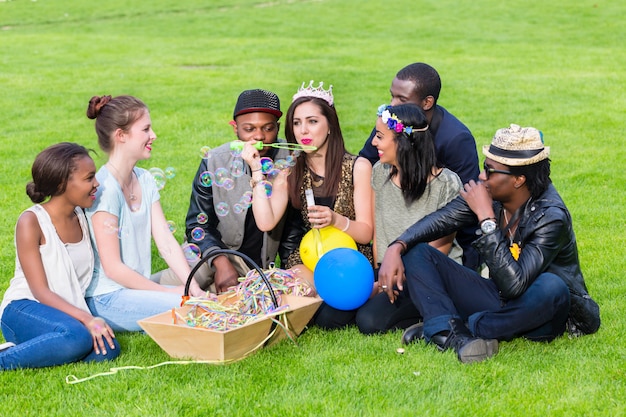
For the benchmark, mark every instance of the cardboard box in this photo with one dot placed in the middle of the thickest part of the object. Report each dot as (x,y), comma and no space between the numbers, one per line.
(182,341)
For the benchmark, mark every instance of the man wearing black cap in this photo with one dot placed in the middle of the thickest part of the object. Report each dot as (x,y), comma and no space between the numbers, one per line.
(535,288)
(219,215)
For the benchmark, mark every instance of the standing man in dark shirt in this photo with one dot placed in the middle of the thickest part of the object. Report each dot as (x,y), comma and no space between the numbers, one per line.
(419,83)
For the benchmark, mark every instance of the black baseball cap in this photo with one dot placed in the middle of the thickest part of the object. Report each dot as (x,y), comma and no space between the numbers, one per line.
(251,101)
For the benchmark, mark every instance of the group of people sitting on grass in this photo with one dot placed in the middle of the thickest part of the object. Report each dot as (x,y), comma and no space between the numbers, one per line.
(463,257)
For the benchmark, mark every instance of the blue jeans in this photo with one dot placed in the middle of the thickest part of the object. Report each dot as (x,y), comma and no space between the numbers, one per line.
(45,336)
(442,289)
(122,308)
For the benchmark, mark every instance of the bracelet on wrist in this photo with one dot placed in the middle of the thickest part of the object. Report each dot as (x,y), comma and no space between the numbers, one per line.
(254,183)
(345,228)
(401,243)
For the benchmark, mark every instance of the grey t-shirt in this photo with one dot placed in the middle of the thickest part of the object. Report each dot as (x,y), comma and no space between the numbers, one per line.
(392,214)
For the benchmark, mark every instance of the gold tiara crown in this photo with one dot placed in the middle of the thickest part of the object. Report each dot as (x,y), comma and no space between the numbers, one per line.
(319,92)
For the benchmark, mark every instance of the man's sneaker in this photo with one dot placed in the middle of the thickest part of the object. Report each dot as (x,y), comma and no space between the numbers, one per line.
(467,347)
(5,346)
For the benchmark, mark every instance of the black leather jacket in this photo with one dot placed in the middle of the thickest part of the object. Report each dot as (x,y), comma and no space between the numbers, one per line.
(548,244)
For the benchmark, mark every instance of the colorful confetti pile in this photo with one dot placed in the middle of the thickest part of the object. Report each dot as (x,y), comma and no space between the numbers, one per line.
(245,302)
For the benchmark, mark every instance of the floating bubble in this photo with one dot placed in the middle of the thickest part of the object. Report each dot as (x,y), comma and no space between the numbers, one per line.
(228,184)
(110,226)
(192,252)
(267,187)
(221,174)
(246,198)
(266,164)
(296,153)
(171,226)
(205,152)
(291,161)
(202,218)
(170,172)
(238,208)
(159,177)
(197,234)
(206,178)
(122,232)
(281,164)
(236,167)
(236,152)
(222,208)
(272,174)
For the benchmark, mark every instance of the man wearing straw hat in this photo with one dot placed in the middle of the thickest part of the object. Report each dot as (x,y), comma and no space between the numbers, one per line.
(535,288)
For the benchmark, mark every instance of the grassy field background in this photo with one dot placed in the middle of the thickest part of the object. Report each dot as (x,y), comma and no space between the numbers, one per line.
(558,66)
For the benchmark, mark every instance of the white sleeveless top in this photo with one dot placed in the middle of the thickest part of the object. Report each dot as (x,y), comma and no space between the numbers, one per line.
(68,267)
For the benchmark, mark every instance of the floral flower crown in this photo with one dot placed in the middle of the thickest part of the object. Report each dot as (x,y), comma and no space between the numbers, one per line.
(395,124)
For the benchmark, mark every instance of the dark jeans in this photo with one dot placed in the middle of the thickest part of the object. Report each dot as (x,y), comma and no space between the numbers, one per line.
(442,289)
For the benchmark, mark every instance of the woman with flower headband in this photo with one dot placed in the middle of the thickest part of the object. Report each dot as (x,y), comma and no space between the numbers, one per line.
(340,183)
(45,319)
(126,215)
(408,184)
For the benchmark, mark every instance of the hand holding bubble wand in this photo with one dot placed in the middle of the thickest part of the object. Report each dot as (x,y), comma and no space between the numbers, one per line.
(237,145)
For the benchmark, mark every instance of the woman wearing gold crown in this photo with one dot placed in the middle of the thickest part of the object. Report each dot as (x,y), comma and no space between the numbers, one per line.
(340,183)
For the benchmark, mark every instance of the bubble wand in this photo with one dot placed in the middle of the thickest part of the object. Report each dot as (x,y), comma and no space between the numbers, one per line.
(310,201)
(237,145)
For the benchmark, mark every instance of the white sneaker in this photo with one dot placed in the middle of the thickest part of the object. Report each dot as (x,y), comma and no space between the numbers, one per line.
(5,346)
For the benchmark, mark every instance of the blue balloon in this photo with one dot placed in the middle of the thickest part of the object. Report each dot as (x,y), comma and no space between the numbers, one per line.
(344,278)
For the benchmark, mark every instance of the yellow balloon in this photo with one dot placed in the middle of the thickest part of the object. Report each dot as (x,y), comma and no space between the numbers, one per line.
(316,242)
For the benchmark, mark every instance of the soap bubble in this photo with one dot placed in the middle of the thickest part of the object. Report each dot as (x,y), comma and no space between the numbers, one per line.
(202,218)
(267,187)
(206,178)
(192,252)
(281,164)
(110,226)
(171,226)
(122,232)
(205,152)
(170,172)
(236,168)
(238,208)
(246,198)
(272,174)
(228,184)
(197,234)
(266,164)
(159,177)
(291,161)
(222,209)
(221,174)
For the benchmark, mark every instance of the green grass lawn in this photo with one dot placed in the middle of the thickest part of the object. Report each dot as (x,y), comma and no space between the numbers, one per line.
(558,66)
